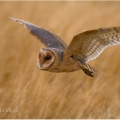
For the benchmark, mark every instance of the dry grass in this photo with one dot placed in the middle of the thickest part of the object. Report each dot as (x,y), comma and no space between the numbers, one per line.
(38,94)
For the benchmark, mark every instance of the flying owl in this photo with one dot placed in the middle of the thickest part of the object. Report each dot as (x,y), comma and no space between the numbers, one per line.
(85,46)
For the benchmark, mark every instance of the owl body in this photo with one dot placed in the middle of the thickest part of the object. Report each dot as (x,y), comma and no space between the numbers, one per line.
(85,46)
(46,59)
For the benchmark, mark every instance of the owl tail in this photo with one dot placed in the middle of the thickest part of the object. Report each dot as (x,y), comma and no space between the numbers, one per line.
(89,70)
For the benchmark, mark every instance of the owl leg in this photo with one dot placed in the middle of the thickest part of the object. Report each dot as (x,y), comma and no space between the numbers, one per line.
(87,69)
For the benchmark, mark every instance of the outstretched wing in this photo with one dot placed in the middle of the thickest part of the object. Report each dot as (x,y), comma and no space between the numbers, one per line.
(47,38)
(89,45)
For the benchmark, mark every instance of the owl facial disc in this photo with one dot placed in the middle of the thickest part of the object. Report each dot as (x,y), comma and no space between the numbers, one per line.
(45,59)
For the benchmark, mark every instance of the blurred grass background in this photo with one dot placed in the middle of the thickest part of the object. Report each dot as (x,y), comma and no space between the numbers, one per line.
(39,94)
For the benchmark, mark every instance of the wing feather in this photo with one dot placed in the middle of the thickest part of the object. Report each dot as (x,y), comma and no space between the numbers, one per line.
(89,45)
(47,38)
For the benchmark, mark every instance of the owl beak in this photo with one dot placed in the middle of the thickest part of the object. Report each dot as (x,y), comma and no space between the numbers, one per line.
(39,65)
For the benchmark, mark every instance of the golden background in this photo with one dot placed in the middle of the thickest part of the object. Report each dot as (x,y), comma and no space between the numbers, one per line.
(27,92)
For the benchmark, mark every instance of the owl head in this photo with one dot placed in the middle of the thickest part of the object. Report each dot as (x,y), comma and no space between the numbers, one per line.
(49,59)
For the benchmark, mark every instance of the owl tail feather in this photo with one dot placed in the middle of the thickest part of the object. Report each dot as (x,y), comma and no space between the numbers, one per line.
(89,70)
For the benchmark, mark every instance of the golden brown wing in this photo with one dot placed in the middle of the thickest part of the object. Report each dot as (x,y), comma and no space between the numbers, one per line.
(47,38)
(89,45)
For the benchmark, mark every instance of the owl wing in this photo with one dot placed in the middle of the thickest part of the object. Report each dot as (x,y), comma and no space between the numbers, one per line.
(89,45)
(47,38)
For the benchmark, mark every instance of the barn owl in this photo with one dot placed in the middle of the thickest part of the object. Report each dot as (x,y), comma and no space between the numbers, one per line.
(85,46)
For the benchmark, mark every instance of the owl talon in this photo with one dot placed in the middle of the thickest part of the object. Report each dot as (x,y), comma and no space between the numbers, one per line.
(89,70)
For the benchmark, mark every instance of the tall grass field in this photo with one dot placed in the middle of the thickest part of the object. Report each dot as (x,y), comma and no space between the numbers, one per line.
(28,92)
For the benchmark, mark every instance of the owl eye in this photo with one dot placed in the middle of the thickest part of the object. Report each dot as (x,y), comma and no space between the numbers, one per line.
(47,58)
